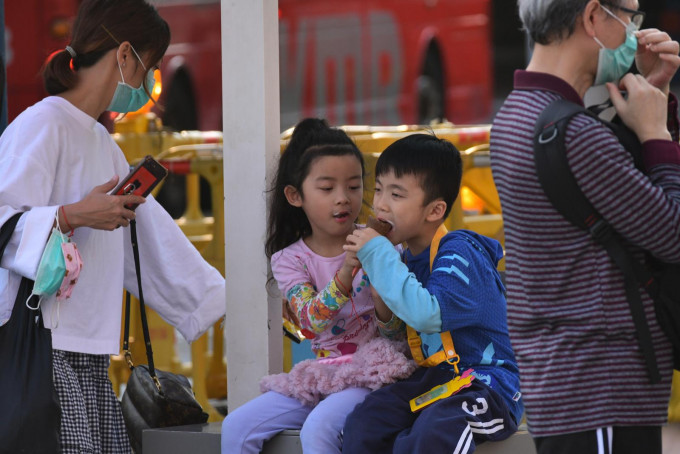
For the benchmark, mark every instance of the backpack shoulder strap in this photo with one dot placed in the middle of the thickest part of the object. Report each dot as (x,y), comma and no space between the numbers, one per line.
(564,193)
(552,166)
(554,172)
(7,230)
(448,352)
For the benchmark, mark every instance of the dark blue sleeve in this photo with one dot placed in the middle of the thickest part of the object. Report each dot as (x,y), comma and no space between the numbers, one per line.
(464,281)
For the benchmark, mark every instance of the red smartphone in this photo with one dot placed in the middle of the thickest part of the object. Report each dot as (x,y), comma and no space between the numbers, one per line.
(142,179)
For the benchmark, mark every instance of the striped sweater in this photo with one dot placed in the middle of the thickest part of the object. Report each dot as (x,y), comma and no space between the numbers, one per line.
(569,320)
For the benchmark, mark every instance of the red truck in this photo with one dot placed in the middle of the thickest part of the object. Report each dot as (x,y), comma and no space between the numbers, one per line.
(378,62)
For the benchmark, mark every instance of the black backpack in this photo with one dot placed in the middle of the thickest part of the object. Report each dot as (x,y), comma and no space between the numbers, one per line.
(660,280)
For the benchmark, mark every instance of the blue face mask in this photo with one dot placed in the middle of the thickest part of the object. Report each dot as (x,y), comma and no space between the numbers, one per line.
(51,270)
(613,64)
(127,98)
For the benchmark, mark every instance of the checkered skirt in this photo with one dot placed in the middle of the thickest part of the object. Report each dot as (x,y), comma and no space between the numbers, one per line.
(91,418)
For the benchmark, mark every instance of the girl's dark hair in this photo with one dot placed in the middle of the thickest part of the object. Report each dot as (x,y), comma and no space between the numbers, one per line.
(312,138)
(435,162)
(101,25)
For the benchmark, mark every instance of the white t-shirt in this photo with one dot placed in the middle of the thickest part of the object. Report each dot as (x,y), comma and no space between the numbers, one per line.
(54,154)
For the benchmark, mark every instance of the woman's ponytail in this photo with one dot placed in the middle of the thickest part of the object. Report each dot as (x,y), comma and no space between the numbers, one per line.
(58,74)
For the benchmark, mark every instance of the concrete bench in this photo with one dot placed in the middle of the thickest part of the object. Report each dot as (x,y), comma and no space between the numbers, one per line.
(205,439)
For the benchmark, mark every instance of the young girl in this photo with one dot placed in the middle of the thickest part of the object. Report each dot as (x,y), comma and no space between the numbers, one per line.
(56,160)
(316,198)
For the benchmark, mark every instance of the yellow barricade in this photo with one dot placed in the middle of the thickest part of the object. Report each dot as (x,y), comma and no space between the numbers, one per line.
(207,371)
(205,161)
(477,208)
(199,155)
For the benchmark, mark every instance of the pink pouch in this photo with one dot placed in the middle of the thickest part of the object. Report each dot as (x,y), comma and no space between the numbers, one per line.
(74,264)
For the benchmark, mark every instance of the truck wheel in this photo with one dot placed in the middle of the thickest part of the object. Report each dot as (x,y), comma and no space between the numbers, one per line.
(180,105)
(179,114)
(431,89)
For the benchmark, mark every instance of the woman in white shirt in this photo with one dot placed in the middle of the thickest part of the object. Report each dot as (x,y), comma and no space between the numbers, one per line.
(56,160)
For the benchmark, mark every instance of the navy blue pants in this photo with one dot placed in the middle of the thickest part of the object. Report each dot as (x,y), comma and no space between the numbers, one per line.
(384,423)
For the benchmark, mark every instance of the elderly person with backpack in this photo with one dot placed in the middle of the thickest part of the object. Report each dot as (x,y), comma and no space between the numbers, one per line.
(595,362)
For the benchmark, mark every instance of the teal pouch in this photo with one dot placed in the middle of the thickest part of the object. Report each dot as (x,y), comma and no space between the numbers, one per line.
(51,270)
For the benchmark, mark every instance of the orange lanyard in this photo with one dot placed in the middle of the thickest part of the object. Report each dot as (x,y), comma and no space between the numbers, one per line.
(448,353)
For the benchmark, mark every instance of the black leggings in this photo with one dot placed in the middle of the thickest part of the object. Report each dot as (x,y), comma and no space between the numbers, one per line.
(608,440)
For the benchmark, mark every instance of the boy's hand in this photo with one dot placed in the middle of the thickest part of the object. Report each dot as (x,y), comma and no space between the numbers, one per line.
(357,239)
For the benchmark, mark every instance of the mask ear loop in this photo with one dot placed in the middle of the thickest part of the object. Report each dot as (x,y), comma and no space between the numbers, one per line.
(599,42)
(58,226)
(119,68)
(138,57)
(131,47)
(630,27)
(117,42)
(56,324)
(31,307)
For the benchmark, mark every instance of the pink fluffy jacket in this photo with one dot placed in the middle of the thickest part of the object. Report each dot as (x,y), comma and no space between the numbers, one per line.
(374,364)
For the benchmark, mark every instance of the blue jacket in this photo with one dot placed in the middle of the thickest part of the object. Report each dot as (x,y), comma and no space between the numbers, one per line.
(463,294)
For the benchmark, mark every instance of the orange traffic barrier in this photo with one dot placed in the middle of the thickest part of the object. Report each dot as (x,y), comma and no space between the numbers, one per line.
(199,155)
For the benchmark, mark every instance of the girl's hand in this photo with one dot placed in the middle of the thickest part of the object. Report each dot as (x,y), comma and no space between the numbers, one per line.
(345,275)
(382,312)
(102,211)
(357,239)
(657,57)
(351,260)
(288,313)
(646,109)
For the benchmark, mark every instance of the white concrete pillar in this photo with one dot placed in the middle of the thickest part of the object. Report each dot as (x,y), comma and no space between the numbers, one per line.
(250,93)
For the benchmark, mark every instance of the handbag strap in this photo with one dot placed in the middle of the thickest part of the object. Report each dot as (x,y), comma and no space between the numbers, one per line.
(142,308)
(7,230)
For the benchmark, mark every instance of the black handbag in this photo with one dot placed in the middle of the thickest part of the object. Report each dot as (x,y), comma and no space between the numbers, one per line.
(153,398)
(30,415)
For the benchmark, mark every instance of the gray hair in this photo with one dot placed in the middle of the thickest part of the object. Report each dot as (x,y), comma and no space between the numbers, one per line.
(551,20)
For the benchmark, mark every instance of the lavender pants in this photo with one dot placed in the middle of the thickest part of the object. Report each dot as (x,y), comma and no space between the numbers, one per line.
(246,429)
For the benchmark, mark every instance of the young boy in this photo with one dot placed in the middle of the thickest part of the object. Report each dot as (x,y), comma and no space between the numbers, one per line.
(448,291)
